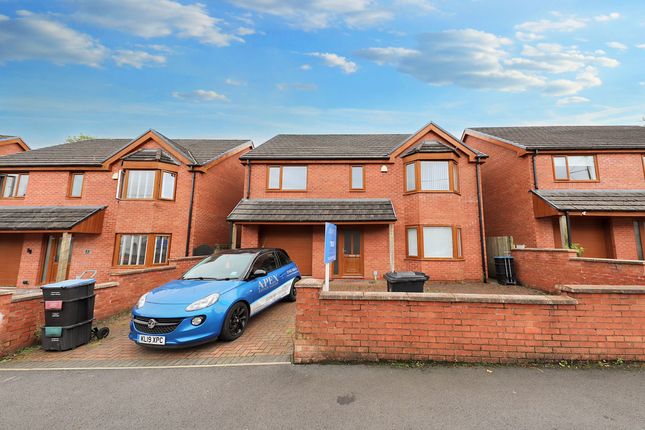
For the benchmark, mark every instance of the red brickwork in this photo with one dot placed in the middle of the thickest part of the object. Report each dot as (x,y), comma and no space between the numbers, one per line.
(545,269)
(600,326)
(332,180)
(216,193)
(507,178)
(21,320)
(9,148)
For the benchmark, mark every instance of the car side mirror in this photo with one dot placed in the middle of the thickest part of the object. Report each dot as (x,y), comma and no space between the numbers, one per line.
(259,273)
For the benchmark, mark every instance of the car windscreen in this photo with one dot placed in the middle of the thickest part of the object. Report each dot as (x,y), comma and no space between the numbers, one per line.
(221,266)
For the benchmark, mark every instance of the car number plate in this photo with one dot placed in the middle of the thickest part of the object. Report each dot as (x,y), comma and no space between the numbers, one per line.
(152,340)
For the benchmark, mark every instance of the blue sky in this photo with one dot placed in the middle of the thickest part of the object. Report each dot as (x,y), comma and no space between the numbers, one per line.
(256,68)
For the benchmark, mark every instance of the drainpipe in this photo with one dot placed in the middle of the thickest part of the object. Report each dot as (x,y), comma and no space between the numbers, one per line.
(535,177)
(190,213)
(248,179)
(480,209)
(566,217)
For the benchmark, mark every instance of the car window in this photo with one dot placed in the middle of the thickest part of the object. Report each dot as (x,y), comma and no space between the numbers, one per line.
(266,262)
(283,258)
(221,266)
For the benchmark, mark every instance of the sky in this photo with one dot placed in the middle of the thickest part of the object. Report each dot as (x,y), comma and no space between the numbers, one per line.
(255,68)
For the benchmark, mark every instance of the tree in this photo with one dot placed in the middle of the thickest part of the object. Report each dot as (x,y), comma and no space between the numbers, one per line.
(78,138)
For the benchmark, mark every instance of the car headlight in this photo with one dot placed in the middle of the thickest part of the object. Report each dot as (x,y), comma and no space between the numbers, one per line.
(203,303)
(142,300)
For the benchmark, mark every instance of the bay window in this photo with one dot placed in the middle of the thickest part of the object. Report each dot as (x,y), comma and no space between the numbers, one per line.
(14,185)
(431,175)
(142,249)
(575,168)
(287,178)
(148,185)
(434,242)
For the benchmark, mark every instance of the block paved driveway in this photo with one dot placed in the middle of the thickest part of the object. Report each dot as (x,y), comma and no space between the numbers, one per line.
(268,339)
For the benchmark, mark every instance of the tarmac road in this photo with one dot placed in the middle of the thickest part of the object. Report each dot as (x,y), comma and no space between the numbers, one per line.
(317,397)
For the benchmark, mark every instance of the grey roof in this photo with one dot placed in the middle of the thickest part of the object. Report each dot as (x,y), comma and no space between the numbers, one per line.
(94,152)
(5,136)
(429,147)
(594,200)
(151,155)
(569,137)
(327,146)
(20,218)
(313,210)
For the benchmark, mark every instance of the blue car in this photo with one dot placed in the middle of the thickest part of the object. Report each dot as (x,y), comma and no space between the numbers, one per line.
(214,299)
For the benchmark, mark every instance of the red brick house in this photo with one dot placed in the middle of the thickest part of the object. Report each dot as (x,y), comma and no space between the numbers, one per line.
(401,202)
(553,187)
(114,204)
(11,145)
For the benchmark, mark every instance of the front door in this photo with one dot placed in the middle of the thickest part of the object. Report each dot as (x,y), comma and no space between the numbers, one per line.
(52,255)
(351,253)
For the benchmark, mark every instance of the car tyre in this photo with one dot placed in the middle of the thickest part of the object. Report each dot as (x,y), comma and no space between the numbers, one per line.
(292,293)
(235,322)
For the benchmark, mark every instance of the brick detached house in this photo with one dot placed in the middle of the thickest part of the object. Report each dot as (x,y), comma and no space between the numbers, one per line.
(113,204)
(551,187)
(401,202)
(11,145)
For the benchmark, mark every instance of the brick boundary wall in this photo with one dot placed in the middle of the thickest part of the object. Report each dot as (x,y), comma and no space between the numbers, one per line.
(591,323)
(22,316)
(546,269)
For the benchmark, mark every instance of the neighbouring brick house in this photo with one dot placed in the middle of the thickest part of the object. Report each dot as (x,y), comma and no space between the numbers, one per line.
(11,145)
(114,204)
(401,202)
(551,187)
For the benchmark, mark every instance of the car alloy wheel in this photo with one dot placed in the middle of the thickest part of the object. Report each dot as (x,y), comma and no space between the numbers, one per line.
(235,323)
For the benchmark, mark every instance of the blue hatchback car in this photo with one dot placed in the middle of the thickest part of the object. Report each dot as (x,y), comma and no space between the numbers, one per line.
(214,299)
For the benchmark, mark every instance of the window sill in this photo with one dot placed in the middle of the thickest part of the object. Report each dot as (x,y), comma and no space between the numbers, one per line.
(577,181)
(431,192)
(434,259)
(286,191)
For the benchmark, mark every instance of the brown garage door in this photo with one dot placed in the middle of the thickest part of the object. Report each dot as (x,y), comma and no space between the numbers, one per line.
(593,235)
(10,251)
(296,240)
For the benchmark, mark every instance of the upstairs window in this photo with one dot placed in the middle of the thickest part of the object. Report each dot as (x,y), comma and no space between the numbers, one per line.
(148,185)
(142,249)
(75,185)
(287,178)
(575,168)
(357,178)
(14,186)
(432,176)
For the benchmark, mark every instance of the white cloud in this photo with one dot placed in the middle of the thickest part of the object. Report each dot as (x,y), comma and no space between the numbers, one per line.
(245,31)
(640,45)
(235,82)
(528,37)
(200,95)
(319,14)
(617,45)
(476,59)
(544,25)
(283,86)
(32,36)
(136,59)
(572,100)
(155,18)
(642,83)
(305,67)
(609,17)
(335,60)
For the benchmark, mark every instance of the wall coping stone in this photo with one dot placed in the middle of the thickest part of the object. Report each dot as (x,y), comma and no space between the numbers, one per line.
(24,297)
(146,270)
(603,289)
(568,251)
(106,285)
(309,283)
(449,297)
(609,261)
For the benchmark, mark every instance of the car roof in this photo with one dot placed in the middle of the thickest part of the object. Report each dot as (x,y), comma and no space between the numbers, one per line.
(249,250)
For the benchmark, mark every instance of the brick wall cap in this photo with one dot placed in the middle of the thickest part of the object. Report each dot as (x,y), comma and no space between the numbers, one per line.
(146,270)
(609,260)
(25,297)
(569,251)
(6,293)
(106,285)
(450,297)
(603,289)
(309,283)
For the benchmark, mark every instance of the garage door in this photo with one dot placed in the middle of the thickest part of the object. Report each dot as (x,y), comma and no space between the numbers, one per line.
(10,251)
(296,240)
(593,235)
